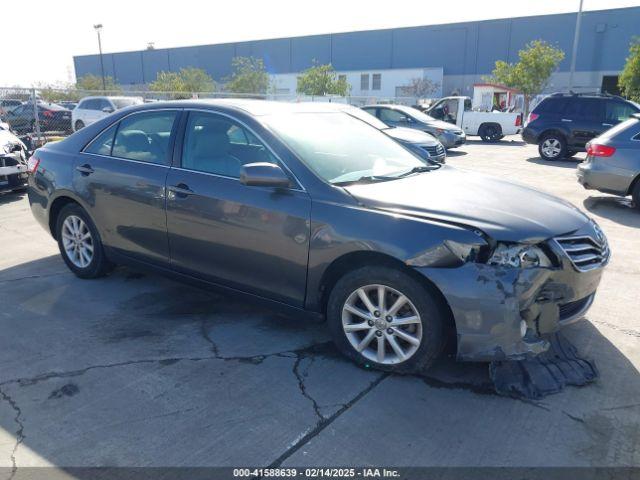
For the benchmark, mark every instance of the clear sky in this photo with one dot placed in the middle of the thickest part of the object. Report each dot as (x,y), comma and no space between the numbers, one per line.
(39,39)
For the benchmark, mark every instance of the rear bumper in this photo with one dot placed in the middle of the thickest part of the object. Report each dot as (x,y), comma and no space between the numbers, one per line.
(530,135)
(603,176)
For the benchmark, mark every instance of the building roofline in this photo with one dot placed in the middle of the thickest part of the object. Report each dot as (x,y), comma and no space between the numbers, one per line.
(329,34)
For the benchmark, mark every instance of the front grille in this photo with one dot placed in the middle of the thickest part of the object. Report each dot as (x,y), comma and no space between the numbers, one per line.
(585,252)
(568,310)
(434,151)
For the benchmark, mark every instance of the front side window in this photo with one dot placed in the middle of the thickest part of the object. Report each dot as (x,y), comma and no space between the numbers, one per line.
(216,144)
(391,115)
(340,148)
(145,137)
(618,112)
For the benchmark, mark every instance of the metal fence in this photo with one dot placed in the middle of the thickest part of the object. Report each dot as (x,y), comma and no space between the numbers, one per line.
(39,115)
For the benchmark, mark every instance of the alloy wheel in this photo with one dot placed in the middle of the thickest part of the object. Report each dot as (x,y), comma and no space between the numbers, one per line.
(551,147)
(77,241)
(382,324)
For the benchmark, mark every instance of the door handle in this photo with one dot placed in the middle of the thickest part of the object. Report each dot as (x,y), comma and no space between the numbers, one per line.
(567,120)
(85,169)
(181,190)
(607,124)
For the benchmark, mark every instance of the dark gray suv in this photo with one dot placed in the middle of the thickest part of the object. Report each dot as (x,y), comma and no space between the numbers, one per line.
(316,211)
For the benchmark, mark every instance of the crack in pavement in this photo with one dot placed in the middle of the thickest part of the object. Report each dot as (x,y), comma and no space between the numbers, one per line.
(19,432)
(324,422)
(301,385)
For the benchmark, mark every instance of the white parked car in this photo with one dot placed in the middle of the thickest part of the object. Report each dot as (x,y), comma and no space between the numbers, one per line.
(92,109)
(490,126)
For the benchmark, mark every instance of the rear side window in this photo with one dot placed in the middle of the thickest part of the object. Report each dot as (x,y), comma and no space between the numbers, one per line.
(103,143)
(553,105)
(145,137)
(389,115)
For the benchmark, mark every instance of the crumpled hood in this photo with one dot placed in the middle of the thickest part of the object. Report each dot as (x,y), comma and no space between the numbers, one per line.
(411,135)
(504,210)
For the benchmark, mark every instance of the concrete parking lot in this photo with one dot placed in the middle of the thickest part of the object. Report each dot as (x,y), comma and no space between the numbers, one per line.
(138,370)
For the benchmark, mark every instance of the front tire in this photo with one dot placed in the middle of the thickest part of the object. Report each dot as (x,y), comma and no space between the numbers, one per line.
(552,147)
(80,244)
(383,318)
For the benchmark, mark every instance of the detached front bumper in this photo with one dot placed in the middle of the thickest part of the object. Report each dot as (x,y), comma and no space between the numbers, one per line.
(493,306)
(13,171)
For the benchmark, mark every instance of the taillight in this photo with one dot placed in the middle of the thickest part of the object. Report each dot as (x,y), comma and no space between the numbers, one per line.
(532,117)
(32,164)
(47,113)
(597,150)
(519,120)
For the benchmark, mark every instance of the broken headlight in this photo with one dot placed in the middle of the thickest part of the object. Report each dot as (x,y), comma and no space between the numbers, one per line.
(519,256)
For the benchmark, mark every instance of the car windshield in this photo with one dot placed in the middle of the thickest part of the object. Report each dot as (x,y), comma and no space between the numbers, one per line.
(415,113)
(367,117)
(342,149)
(125,102)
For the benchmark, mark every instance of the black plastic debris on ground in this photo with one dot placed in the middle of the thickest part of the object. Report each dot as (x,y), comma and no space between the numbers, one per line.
(545,374)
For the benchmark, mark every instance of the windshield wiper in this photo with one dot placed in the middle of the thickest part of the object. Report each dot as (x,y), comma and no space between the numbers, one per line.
(365,179)
(420,169)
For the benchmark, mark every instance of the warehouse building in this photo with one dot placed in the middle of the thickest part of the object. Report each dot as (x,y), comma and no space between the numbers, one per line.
(383,63)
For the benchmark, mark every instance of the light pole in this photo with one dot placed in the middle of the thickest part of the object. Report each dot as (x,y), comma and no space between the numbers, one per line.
(97,28)
(576,39)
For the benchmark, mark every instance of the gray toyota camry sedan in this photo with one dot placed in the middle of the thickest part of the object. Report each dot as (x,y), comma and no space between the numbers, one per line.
(317,211)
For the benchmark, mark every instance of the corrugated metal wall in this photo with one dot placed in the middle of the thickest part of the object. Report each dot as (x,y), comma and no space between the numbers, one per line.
(469,48)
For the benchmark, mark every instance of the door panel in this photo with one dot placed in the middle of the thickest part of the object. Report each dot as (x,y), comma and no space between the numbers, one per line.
(122,175)
(255,239)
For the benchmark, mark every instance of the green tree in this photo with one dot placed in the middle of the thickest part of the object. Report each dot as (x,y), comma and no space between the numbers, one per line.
(629,81)
(322,80)
(183,83)
(94,83)
(530,75)
(249,76)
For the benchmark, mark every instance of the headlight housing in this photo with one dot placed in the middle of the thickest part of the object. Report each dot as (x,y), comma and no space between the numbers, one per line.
(519,256)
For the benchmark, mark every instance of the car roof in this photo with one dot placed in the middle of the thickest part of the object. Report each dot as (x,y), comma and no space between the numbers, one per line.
(255,107)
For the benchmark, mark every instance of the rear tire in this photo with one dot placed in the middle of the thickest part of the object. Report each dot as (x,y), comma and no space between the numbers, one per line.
(359,330)
(80,244)
(552,147)
(491,133)
(79,125)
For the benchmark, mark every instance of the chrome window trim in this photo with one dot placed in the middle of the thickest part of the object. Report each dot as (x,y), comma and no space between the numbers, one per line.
(300,188)
(128,160)
(83,151)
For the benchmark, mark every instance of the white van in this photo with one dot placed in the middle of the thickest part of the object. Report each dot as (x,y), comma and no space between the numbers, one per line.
(91,109)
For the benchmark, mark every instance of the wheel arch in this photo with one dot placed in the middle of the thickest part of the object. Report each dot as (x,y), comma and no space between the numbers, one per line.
(56,207)
(489,124)
(633,184)
(353,260)
(553,130)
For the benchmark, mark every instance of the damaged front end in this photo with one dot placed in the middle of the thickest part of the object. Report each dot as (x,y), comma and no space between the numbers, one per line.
(13,163)
(506,298)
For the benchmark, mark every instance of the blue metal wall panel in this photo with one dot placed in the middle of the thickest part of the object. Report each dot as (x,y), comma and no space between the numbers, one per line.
(361,50)
(154,62)
(128,68)
(306,50)
(216,59)
(430,47)
(276,54)
(493,39)
(183,57)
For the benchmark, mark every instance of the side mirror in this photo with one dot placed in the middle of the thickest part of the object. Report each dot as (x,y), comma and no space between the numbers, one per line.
(263,174)
(107,110)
